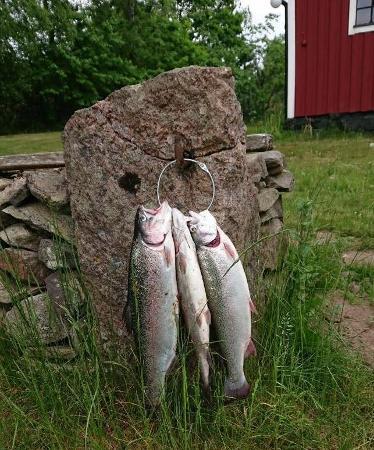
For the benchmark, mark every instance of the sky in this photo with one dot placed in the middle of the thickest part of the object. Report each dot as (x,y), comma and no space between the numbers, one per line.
(261,8)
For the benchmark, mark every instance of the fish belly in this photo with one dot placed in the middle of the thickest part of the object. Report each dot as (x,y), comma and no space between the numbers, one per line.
(156,317)
(194,305)
(228,301)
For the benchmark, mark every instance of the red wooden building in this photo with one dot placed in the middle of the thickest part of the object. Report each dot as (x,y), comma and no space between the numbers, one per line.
(330,61)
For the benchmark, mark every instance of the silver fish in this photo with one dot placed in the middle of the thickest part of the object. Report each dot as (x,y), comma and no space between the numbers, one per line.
(191,292)
(229,299)
(152,307)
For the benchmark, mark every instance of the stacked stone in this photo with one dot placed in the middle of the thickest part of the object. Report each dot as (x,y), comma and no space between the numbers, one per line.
(36,234)
(272,179)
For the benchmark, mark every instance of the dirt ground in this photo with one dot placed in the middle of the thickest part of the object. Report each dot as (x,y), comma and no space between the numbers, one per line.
(356,324)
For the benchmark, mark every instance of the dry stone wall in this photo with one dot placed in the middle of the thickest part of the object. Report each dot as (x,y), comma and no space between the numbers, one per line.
(35,224)
(114,153)
(36,239)
(272,180)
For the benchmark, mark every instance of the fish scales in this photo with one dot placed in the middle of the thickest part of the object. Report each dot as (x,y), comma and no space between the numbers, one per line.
(228,298)
(192,295)
(153,306)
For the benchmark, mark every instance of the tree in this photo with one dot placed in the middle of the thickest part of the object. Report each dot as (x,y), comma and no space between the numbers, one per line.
(57,55)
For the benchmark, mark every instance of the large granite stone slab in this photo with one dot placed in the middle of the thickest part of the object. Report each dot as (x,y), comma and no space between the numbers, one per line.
(115,151)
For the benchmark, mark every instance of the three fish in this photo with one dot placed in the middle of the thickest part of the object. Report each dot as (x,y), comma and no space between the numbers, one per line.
(203,275)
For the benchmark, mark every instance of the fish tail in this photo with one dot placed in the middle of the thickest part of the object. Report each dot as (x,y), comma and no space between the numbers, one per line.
(204,367)
(155,392)
(237,389)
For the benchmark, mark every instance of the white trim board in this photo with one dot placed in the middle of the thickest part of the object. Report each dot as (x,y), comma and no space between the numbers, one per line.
(352,20)
(291,76)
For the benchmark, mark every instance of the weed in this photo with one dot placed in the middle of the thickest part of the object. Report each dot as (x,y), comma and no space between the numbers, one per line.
(307,390)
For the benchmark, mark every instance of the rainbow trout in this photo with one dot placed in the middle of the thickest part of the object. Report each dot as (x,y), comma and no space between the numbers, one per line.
(229,299)
(152,306)
(192,294)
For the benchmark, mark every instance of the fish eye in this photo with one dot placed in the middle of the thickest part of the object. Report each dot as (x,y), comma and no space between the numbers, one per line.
(193,228)
(142,218)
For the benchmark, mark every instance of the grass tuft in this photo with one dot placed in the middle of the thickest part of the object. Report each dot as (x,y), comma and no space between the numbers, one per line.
(309,391)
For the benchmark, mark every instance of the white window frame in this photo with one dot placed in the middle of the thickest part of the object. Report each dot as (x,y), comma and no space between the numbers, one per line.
(352,29)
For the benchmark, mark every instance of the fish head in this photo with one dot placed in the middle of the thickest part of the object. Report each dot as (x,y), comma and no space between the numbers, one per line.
(152,225)
(179,220)
(203,227)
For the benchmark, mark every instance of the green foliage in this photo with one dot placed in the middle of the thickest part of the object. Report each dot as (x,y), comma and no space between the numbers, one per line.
(57,56)
(308,392)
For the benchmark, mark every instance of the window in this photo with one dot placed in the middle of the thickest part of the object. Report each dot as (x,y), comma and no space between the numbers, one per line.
(365,13)
(361,16)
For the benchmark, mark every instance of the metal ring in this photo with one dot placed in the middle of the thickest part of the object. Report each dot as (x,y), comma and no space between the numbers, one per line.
(202,167)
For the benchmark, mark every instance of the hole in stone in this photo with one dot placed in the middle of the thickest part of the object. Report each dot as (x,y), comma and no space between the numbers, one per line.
(130,182)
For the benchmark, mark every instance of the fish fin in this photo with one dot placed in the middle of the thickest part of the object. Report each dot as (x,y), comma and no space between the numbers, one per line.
(252,306)
(230,250)
(176,306)
(251,349)
(182,262)
(238,390)
(227,244)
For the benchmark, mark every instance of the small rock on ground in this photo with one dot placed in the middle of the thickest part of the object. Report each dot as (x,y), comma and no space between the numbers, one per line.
(357,325)
(359,258)
(324,237)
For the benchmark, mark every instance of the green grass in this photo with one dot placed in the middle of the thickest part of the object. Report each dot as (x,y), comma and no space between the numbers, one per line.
(30,143)
(309,390)
(339,173)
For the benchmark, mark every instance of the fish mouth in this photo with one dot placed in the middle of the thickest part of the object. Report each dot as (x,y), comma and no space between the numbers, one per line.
(216,241)
(155,244)
(155,211)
